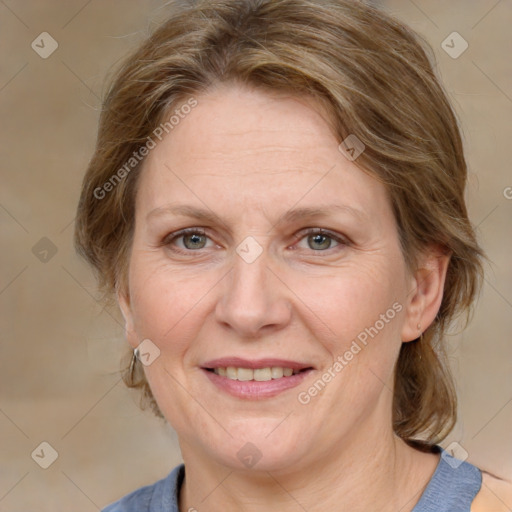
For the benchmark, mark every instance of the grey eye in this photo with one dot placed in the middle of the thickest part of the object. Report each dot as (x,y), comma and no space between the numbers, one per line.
(194,241)
(319,242)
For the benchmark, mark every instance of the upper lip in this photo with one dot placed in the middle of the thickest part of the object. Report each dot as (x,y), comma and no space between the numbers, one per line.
(240,362)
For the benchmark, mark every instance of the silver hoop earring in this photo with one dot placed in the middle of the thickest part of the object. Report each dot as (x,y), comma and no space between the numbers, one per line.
(135,356)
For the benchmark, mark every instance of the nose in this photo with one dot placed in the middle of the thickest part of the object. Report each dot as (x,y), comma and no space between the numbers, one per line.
(254,300)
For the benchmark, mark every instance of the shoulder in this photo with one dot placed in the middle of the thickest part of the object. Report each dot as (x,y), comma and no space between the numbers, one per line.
(158,497)
(495,495)
(138,500)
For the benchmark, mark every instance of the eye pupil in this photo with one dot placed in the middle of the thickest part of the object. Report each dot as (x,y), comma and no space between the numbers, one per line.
(323,240)
(197,241)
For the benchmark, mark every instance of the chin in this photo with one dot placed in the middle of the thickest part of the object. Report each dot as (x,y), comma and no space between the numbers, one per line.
(258,448)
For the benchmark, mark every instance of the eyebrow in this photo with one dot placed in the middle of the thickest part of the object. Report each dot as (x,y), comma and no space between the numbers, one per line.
(295,215)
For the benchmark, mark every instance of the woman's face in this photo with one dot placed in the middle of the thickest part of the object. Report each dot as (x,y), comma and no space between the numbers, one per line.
(256,285)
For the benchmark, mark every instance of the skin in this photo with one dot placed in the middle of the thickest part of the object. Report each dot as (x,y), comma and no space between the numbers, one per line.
(495,495)
(250,157)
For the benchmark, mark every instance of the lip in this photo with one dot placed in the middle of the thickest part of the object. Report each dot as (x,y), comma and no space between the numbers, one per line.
(255,390)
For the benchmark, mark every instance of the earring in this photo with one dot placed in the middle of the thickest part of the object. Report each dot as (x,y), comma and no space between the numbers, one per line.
(135,356)
(421,337)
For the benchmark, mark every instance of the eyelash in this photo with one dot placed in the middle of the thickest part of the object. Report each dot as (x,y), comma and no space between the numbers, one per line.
(172,237)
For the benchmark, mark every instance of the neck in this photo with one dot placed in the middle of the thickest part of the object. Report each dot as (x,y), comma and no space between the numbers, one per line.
(371,471)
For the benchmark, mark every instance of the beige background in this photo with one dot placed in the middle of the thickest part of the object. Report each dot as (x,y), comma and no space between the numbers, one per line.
(59,349)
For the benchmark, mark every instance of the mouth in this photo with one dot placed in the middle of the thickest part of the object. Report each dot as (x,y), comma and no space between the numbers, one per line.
(255,379)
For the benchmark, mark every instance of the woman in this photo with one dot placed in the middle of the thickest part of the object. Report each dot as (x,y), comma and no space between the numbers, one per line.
(277,202)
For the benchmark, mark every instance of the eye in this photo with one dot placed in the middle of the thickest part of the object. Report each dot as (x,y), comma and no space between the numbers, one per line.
(191,239)
(320,240)
(194,239)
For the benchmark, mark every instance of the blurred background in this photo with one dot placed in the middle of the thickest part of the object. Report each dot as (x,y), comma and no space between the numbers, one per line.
(60,348)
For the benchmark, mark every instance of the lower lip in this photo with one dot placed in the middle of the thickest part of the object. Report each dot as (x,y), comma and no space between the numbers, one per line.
(255,390)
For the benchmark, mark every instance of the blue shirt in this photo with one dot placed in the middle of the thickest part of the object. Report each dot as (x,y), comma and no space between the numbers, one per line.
(452,488)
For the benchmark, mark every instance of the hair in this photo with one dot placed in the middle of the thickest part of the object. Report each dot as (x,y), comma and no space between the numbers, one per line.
(375,77)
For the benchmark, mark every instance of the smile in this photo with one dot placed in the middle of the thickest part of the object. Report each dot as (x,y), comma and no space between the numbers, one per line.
(255,380)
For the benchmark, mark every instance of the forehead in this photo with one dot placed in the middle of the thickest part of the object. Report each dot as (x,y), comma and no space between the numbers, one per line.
(254,149)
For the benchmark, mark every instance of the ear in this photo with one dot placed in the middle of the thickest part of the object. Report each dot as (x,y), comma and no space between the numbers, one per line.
(426,292)
(123,299)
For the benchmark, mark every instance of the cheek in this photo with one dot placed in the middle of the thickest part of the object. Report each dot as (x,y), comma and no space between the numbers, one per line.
(358,316)
(348,302)
(359,312)
(165,304)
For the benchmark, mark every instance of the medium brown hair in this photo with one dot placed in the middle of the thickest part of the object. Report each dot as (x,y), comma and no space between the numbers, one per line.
(375,78)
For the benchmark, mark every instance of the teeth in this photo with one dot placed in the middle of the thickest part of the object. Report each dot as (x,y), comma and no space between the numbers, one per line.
(262,374)
(244,374)
(231,373)
(276,372)
(258,374)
